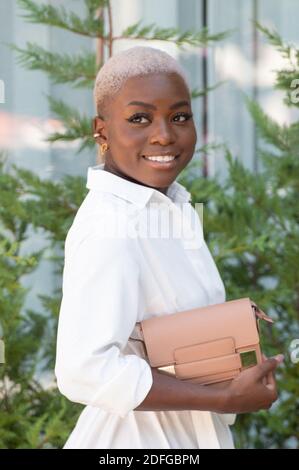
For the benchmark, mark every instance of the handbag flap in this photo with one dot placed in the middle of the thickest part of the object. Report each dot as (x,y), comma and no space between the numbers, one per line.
(162,335)
(207,367)
(202,351)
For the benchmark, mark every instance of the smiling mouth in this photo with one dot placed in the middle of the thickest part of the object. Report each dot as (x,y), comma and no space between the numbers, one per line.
(159,159)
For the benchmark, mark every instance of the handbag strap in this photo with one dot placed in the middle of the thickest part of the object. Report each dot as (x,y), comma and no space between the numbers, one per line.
(260,314)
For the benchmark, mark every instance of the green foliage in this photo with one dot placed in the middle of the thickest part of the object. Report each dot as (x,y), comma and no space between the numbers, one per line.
(31,415)
(76,125)
(78,70)
(192,38)
(250,223)
(43,13)
(288,77)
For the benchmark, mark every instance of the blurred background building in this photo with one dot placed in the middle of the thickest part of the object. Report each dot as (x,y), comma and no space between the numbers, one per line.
(244,60)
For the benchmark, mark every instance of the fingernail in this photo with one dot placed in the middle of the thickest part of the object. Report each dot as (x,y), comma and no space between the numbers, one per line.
(279,358)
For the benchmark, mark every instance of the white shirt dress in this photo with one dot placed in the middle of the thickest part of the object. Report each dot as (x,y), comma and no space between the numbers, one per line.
(117,271)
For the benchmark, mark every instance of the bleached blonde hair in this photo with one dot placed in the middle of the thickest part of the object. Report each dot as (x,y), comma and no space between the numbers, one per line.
(132,62)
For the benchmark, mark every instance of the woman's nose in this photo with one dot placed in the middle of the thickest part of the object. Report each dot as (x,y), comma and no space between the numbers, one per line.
(162,133)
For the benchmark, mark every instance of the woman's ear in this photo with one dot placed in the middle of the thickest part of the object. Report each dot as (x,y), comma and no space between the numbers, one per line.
(98,127)
(94,125)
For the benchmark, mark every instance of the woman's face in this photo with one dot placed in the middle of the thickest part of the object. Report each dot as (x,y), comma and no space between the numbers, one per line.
(150,116)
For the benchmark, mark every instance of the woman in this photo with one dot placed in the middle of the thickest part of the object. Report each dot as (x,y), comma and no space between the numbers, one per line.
(116,274)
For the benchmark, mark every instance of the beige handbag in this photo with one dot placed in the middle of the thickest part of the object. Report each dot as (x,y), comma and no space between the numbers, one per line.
(204,345)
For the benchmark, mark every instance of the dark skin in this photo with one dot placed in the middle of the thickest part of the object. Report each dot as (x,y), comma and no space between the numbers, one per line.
(155,130)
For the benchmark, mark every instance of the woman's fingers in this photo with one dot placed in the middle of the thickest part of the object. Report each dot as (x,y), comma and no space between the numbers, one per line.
(269,379)
(270,384)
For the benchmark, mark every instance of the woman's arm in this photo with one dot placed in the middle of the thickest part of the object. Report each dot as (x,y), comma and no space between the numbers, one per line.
(98,312)
(247,393)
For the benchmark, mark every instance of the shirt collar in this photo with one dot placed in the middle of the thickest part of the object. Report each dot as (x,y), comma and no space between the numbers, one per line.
(100,179)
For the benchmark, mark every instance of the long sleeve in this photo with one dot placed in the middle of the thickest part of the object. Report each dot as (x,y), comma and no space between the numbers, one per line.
(98,312)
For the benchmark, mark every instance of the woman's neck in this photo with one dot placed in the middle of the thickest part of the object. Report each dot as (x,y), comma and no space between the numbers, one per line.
(129,178)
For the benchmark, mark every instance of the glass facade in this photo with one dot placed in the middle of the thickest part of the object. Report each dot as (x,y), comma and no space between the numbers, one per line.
(243,60)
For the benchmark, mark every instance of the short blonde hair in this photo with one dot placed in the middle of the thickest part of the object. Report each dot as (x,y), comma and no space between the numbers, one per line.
(132,62)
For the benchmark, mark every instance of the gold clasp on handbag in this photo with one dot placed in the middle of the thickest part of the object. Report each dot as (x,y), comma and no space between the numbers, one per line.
(170,370)
(248,358)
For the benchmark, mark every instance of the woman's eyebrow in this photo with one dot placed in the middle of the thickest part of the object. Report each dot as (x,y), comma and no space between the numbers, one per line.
(148,105)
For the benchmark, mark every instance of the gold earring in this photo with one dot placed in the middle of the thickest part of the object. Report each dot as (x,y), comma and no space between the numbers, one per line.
(103,148)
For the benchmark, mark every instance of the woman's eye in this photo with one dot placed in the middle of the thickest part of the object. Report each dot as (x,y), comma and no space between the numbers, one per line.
(136,118)
(187,116)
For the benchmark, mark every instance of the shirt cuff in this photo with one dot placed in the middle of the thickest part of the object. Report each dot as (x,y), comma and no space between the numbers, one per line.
(127,390)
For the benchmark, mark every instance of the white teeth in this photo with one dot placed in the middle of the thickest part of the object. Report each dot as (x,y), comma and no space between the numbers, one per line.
(167,158)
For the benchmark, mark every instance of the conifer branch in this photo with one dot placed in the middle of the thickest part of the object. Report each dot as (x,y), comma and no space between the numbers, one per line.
(77,126)
(196,93)
(42,13)
(93,25)
(151,32)
(285,76)
(276,40)
(80,70)
(269,129)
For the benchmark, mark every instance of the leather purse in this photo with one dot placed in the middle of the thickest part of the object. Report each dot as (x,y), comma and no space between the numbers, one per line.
(204,345)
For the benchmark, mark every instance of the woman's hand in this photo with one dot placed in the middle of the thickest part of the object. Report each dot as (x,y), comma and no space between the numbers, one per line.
(254,389)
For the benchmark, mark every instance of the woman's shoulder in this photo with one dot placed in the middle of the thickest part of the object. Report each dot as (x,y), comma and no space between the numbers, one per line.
(102,217)
(101,207)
